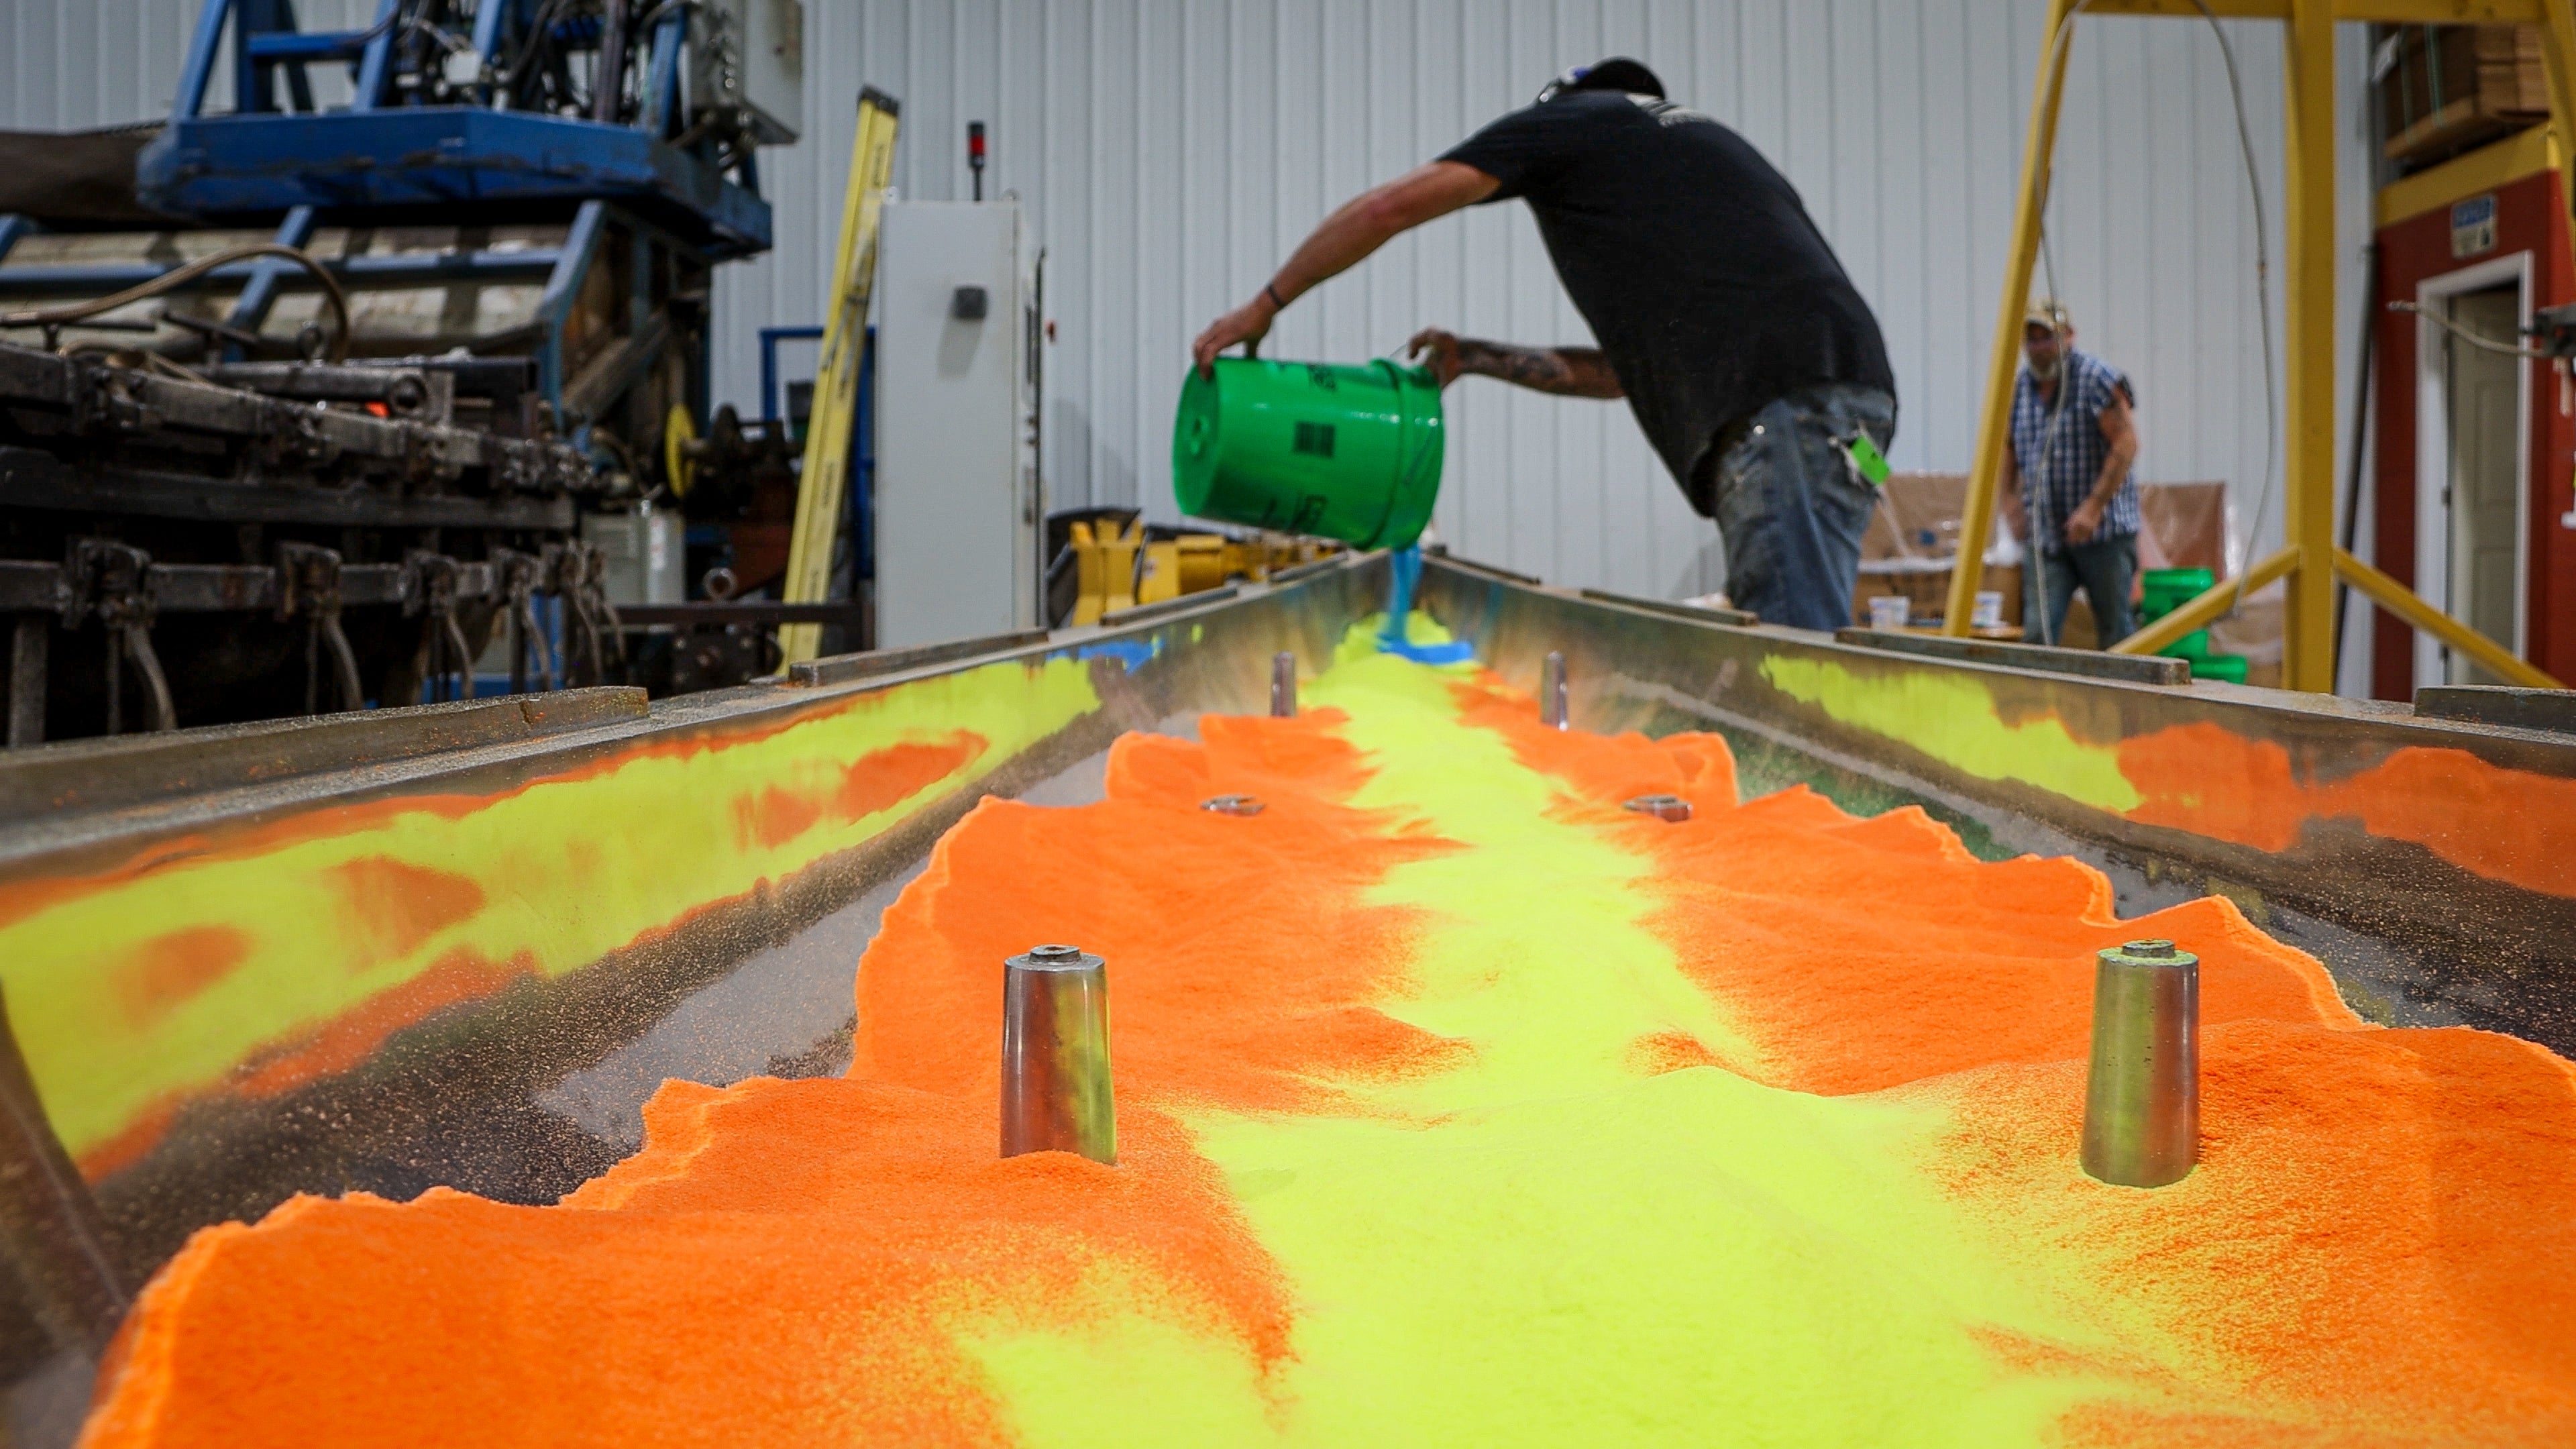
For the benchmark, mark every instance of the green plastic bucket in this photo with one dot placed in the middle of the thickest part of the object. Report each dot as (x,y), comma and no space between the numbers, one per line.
(2194,645)
(2161,591)
(2229,667)
(1351,453)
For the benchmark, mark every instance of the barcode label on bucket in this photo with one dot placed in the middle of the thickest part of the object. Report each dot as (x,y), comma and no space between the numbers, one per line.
(1315,438)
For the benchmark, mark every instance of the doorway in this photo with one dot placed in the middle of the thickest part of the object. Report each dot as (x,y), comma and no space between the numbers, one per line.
(2472,470)
(2486,473)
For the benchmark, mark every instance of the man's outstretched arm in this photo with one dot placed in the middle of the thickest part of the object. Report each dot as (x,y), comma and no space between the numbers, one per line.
(1566,371)
(1362,226)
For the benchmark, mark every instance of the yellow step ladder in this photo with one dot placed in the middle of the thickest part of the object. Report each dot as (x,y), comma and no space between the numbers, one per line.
(826,479)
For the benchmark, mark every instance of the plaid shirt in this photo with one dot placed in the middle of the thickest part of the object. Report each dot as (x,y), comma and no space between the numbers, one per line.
(2058,471)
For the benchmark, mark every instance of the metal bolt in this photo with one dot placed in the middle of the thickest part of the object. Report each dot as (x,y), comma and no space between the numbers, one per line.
(1055,1055)
(2142,1091)
(1551,691)
(1232,805)
(1283,685)
(1662,807)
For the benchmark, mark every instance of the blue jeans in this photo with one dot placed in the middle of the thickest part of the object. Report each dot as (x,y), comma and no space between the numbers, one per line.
(1791,507)
(2104,567)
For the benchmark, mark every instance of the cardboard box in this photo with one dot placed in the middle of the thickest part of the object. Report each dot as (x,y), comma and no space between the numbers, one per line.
(2453,86)
(1929,591)
(1913,538)
(1911,542)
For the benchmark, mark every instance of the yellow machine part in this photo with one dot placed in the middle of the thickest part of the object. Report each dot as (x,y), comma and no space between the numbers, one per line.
(1190,564)
(1246,560)
(1158,572)
(1200,560)
(1261,557)
(1105,564)
(678,432)
(1118,569)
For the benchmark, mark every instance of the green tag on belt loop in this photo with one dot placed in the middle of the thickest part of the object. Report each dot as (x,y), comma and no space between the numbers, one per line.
(1865,457)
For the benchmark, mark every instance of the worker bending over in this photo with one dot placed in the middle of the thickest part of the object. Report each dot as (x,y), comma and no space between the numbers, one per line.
(1751,362)
(2067,489)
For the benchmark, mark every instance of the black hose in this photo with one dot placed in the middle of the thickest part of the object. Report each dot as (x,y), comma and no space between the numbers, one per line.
(55,317)
(531,48)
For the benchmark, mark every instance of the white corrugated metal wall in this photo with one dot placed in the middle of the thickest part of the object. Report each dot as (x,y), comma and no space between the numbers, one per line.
(1171,152)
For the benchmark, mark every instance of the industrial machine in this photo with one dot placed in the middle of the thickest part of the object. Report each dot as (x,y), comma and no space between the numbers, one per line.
(178,508)
(429,294)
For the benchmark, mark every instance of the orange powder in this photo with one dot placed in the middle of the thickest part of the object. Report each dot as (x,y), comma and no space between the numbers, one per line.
(773,1269)
(2377,1244)
(779,1261)
(2507,825)
(1234,980)
(1862,954)
(166,972)
(2379,1227)
(394,907)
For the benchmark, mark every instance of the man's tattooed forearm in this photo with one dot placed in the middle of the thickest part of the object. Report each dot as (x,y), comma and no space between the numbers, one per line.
(1545,369)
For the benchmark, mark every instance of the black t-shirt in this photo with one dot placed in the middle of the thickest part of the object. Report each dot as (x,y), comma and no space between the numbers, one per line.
(1709,290)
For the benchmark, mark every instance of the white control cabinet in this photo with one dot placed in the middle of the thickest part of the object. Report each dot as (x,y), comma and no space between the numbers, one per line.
(957,498)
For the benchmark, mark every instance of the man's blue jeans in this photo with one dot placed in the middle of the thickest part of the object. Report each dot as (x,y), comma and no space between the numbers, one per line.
(1792,508)
(2104,567)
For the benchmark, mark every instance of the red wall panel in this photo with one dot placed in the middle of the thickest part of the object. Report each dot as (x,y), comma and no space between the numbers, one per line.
(2529,217)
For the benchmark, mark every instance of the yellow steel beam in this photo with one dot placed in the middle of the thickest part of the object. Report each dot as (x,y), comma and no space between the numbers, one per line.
(2207,608)
(2533,149)
(2389,12)
(2308,493)
(2391,595)
(2558,57)
(2443,12)
(825,480)
(2311,560)
(1994,420)
(2223,9)
(2400,600)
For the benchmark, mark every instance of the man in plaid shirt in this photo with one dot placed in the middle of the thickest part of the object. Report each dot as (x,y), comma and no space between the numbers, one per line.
(2067,490)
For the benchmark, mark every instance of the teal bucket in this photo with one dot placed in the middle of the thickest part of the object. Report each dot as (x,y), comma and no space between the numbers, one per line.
(1351,453)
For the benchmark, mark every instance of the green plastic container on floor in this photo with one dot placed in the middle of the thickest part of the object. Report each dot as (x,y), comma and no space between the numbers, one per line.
(2229,667)
(1344,452)
(2161,591)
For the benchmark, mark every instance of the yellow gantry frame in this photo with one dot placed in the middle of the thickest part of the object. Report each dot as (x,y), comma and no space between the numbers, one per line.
(2310,561)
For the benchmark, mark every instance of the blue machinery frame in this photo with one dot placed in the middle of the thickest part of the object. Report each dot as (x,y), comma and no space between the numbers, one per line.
(384,151)
(387,156)
(770,337)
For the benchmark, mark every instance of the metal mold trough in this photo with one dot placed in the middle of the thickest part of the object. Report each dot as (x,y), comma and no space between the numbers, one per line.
(464,953)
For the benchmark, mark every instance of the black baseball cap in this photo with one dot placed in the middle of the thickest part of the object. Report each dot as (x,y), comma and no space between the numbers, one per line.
(1618,73)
